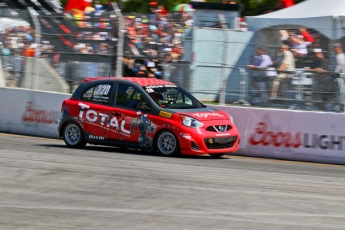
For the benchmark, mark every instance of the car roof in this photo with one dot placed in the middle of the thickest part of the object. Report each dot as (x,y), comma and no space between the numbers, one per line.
(139,80)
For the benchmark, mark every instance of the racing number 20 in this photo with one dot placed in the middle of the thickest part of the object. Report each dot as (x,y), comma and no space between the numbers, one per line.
(103,89)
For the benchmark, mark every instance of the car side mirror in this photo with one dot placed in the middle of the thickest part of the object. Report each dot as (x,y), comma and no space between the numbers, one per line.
(143,106)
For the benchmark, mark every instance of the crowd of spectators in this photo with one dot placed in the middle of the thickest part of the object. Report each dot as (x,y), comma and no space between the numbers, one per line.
(301,55)
(17,43)
(154,39)
(157,38)
(150,40)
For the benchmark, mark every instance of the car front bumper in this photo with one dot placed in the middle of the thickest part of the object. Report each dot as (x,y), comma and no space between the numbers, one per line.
(209,143)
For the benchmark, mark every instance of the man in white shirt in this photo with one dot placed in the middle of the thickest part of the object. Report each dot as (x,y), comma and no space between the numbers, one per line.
(264,72)
(340,56)
(340,69)
(288,64)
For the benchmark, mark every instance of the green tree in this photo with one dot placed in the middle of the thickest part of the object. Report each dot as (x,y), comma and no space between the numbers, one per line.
(251,7)
(257,7)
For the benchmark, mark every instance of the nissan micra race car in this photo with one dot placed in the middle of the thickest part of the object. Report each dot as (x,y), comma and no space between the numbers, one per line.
(145,113)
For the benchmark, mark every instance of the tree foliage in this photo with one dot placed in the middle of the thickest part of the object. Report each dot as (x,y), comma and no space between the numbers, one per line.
(251,7)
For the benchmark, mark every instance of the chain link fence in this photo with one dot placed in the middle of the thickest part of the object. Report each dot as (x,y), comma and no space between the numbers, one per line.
(76,47)
(308,83)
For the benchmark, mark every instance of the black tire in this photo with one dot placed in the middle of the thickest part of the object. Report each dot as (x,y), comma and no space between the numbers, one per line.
(73,135)
(167,144)
(216,155)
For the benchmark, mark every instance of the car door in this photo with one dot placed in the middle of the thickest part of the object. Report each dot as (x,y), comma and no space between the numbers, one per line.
(134,122)
(95,111)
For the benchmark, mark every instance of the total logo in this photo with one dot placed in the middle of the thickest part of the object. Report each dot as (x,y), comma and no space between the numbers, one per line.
(92,116)
(205,115)
(263,136)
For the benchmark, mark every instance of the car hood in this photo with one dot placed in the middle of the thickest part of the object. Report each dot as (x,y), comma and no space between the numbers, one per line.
(203,114)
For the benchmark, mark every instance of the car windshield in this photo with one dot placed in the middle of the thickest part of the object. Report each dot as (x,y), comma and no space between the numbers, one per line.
(172,97)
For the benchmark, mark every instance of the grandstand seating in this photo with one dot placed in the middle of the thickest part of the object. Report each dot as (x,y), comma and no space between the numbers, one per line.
(61,31)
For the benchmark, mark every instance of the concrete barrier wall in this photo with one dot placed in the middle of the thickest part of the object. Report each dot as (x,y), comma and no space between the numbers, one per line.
(292,135)
(30,112)
(281,134)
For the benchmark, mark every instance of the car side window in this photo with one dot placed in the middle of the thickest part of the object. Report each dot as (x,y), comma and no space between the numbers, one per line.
(128,96)
(98,94)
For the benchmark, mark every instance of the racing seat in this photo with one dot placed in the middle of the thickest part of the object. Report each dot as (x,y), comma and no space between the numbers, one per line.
(122,99)
(139,104)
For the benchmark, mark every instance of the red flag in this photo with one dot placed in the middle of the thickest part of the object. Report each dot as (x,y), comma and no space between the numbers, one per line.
(77,4)
(287,3)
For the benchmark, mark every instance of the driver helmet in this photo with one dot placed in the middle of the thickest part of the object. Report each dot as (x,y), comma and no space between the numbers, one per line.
(158,98)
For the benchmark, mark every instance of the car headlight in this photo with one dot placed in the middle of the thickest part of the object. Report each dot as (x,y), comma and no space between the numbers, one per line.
(190,121)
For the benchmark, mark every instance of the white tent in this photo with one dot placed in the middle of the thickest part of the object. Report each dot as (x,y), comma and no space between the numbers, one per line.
(9,22)
(325,16)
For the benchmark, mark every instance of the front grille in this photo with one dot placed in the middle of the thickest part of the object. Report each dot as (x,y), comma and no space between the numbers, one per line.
(220,143)
(218,128)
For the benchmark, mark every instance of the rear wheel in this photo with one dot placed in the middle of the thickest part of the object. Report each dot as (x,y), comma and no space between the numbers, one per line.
(73,135)
(167,144)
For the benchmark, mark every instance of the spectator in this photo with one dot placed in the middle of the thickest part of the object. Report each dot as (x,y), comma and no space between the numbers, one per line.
(299,47)
(340,57)
(340,68)
(29,50)
(5,51)
(308,38)
(322,82)
(162,11)
(18,70)
(284,36)
(264,72)
(288,64)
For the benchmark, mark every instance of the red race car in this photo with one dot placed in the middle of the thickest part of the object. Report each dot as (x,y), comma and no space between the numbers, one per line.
(145,113)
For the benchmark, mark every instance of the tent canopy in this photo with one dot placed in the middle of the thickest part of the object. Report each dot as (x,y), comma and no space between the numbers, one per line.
(310,9)
(324,16)
(9,22)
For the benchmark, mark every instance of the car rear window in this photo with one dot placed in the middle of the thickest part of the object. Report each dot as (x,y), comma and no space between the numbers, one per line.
(98,94)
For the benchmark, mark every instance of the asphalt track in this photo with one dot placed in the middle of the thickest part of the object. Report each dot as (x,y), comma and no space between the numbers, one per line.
(45,185)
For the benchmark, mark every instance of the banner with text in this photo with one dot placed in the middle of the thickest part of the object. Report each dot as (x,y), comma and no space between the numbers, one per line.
(30,112)
(293,135)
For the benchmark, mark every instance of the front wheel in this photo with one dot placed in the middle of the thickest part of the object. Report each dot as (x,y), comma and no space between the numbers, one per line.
(167,144)
(73,135)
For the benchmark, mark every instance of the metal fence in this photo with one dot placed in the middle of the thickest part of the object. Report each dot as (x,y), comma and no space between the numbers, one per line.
(148,46)
(75,47)
(302,89)
(311,83)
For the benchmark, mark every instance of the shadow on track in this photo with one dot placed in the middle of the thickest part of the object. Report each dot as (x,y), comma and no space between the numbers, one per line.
(122,150)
